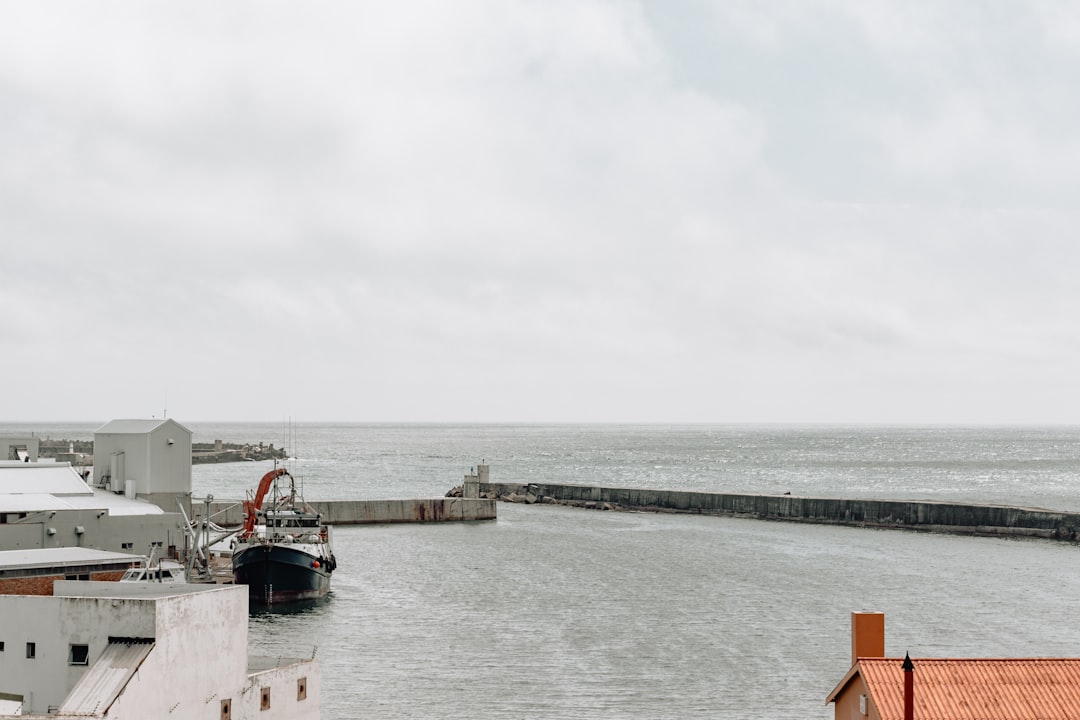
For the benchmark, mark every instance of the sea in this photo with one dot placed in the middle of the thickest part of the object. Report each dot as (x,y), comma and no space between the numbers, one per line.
(560,613)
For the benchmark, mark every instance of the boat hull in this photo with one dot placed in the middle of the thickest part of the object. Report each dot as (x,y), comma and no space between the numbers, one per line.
(279,573)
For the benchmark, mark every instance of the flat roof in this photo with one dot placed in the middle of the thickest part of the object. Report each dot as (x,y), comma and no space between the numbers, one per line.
(262,663)
(53,478)
(52,557)
(136,590)
(98,499)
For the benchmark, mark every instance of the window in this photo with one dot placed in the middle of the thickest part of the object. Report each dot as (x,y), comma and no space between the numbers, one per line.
(1,646)
(226,709)
(126,546)
(77,577)
(79,655)
(31,650)
(301,689)
(265,705)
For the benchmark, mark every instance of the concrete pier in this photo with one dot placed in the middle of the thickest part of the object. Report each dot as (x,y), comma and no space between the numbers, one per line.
(366,512)
(944,517)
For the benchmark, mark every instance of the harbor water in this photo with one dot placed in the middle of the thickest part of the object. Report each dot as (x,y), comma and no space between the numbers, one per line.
(554,612)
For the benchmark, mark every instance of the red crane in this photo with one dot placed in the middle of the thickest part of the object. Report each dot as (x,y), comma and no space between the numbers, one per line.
(252,506)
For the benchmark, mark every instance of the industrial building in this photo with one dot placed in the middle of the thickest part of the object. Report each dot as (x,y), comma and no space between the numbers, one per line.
(135,502)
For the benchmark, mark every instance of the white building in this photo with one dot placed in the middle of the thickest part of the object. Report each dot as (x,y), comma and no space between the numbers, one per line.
(20,449)
(130,651)
(142,479)
(148,459)
(48,505)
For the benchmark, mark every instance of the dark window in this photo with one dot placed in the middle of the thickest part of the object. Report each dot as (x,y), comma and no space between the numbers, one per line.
(226,709)
(1,646)
(265,699)
(126,546)
(301,689)
(79,655)
(31,650)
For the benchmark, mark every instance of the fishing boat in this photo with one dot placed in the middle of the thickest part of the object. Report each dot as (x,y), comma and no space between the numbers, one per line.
(162,571)
(283,552)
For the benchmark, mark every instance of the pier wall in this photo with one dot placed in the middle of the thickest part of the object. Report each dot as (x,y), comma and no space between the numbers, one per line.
(926,516)
(366,512)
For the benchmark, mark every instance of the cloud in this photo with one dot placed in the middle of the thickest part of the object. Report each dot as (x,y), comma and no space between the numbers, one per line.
(558,211)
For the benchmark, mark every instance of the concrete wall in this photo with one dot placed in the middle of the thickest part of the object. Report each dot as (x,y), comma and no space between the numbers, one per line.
(53,624)
(158,467)
(201,658)
(7,445)
(366,512)
(912,515)
(103,532)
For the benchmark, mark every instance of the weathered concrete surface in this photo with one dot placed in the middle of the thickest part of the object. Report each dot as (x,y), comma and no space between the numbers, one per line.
(909,515)
(364,512)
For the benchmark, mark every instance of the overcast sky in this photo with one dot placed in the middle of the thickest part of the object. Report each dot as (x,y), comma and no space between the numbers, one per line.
(836,211)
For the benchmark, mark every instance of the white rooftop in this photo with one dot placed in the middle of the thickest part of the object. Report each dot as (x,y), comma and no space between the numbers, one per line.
(133,426)
(51,557)
(136,590)
(18,478)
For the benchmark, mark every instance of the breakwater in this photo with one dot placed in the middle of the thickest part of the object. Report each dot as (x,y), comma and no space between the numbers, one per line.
(926,516)
(366,512)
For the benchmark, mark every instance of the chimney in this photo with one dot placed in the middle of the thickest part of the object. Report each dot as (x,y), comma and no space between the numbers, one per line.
(909,687)
(867,635)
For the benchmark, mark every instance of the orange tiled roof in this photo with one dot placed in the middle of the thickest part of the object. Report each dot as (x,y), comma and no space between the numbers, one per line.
(977,689)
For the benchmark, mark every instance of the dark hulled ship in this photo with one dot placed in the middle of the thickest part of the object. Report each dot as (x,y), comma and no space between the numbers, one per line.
(283,552)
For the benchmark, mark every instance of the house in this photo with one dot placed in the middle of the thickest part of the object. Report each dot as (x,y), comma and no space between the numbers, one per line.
(880,688)
(145,650)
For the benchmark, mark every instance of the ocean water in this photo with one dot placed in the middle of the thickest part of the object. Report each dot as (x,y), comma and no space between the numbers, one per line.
(553,612)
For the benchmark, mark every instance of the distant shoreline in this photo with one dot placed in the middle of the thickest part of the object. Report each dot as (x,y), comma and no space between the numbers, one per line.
(80,453)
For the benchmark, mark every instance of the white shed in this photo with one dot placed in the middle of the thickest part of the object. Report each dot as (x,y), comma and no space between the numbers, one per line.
(149,459)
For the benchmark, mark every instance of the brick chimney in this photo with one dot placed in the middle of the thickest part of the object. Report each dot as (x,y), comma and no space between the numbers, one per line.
(867,635)
(909,688)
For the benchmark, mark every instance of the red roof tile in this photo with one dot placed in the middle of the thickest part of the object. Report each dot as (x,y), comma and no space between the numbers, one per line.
(977,689)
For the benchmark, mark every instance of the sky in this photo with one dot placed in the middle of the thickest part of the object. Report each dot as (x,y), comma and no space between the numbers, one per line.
(820,211)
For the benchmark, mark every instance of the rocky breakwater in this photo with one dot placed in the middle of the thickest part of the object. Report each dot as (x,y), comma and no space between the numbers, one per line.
(924,516)
(220,452)
(532,494)
(81,452)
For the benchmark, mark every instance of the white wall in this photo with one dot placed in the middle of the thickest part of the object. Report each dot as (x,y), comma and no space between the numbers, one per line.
(53,624)
(157,466)
(103,532)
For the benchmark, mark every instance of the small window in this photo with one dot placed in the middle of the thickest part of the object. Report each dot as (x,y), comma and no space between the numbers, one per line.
(265,699)
(31,650)
(126,546)
(77,577)
(301,689)
(226,709)
(79,655)
(1,646)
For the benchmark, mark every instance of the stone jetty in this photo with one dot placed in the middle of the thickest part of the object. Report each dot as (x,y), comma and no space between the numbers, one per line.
(925,516)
